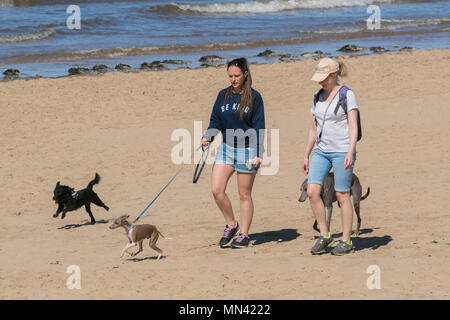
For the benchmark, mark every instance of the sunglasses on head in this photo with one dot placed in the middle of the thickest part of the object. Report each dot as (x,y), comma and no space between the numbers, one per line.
(240,63)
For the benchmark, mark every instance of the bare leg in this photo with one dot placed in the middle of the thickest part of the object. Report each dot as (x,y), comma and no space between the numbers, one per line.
(318,207)
(346,214)
(245,185)
(220,176)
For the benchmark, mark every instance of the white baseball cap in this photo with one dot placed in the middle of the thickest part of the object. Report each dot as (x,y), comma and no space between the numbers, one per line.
(324,68)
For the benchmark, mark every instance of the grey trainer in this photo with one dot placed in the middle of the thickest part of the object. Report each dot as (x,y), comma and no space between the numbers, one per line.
(343,248)
(322,243)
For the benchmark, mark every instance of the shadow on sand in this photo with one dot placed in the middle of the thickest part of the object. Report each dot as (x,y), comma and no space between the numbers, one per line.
(146,258)
(274,236)
(362,243)
(77,225)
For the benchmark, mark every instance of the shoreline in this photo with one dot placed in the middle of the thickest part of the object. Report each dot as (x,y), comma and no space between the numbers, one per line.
(157,65)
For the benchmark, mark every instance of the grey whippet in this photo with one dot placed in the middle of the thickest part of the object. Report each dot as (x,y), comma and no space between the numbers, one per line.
(328,195)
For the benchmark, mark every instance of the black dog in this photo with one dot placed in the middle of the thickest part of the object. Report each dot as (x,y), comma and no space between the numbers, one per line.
(69,200)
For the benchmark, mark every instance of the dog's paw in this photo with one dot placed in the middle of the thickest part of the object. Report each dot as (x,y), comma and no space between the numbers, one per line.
(106,208)
(55,215)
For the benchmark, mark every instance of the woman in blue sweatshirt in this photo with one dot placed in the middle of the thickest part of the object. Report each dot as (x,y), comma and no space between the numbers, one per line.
(238,114)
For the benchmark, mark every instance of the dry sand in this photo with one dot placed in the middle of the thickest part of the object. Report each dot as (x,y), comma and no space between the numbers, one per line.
(120,125)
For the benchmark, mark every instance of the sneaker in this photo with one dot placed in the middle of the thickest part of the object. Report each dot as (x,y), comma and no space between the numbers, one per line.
(242,241)
(343,248)
(228,234)
(322,243)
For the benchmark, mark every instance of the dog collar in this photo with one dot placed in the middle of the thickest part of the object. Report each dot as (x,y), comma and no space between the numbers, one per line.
(74,194)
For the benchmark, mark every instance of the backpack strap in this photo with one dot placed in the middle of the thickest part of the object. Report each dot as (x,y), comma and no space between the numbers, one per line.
(343,103)
(342,99)
(317,96)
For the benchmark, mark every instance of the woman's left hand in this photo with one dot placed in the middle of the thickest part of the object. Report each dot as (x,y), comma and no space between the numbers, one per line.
(256,162)
(348,161)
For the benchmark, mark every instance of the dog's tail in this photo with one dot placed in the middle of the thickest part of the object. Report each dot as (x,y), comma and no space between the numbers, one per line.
(163,236)
(367,194)
(95,181)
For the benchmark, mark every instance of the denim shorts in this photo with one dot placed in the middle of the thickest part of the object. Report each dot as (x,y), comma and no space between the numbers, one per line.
(322,162)
(236,157)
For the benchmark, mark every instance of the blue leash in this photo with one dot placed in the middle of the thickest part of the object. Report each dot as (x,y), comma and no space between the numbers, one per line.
(164,188)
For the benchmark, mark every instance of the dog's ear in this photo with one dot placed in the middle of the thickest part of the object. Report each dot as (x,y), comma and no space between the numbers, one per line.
(57,184)
(127,216)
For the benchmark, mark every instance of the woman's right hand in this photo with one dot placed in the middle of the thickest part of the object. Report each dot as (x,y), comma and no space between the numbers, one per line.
(305,166)
(205,143)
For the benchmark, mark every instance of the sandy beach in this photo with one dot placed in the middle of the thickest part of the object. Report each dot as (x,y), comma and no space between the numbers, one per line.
(120,125)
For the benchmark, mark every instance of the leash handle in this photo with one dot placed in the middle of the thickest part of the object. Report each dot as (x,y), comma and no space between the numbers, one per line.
(197,176)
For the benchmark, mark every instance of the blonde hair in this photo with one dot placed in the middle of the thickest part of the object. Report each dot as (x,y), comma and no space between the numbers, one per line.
(342,72)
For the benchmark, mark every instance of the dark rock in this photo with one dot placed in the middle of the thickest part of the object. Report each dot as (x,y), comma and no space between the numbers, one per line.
(122,66)
(206,65)
(378,49)
(211,58)
(153,65)
(350,48)
(266,53)
(408,49)
(270,53)
(287,59)
(100,68)
(11,72)
(77,71)
(315,54)
(170,61)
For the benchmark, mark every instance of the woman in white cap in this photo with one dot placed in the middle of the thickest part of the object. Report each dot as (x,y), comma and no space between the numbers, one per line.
(333,136)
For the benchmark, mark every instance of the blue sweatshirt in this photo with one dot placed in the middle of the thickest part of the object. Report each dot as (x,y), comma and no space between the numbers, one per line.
(248,132)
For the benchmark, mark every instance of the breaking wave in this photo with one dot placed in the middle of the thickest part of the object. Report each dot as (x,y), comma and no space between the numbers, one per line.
(258,6)
(31,36)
